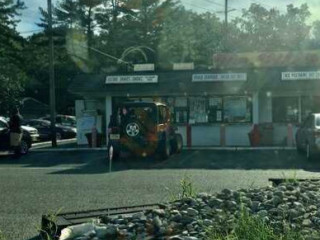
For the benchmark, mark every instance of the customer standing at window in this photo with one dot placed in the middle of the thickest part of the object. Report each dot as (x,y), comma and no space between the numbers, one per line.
(15,131)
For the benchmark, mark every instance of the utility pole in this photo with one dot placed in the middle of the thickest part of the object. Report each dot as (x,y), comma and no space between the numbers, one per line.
(51,77)
(226,26)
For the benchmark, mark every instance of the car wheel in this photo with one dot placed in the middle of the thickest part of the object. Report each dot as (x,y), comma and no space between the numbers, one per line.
(309,152)
(299,149)
(177,144)
(24,148)
(165,149)
(133,129)
(58,136)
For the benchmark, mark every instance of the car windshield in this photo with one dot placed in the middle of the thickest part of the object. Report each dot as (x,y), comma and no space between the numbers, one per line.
(160,119)
(318,121)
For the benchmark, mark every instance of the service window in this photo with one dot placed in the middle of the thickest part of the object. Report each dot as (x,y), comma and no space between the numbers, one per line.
(181,110)
(162,115)
(237,109)
(198,110)
(306,107)
(285,109)
(215,110)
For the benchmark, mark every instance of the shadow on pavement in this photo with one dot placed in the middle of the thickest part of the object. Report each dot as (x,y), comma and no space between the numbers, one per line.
(96,162)
(245,160)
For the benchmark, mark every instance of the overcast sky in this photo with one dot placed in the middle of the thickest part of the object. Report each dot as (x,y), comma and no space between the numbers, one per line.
(31,14)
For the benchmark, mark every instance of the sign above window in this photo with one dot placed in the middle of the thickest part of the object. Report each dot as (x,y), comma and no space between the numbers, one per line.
(301,75)
(132,79)
(221,77)
(183,66)
(143,67)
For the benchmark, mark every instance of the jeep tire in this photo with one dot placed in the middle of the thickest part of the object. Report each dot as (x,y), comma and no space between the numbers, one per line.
(177,143)
(132,129)
(164,149)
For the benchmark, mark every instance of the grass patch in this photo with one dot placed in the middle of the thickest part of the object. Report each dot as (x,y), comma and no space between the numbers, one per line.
(2,237)
(250,227)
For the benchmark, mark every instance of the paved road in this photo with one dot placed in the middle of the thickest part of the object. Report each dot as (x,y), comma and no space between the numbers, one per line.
(71,181)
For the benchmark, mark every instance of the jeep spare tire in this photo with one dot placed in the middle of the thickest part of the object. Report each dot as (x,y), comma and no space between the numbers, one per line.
(133,129)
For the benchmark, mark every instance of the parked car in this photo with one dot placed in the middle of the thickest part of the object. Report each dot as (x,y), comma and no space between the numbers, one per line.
(65,120)
(308,136)
(26,141)
(31,130)
(44,129)
(145,130)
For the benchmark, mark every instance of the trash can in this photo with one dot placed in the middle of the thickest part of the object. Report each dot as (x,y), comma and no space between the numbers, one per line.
(89,139)
(254,136)
(266,132)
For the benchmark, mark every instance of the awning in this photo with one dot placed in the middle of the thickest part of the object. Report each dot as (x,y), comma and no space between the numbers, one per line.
(168,84)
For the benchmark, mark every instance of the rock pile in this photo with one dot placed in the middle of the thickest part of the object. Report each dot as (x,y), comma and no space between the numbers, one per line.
(295,205)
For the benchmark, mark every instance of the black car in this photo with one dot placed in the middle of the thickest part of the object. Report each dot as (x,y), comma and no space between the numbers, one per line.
(145,130)
(44,129)
(26,141)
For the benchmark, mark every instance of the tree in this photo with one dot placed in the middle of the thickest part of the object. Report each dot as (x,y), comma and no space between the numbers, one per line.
(189,37)
(260,29)
(12,76)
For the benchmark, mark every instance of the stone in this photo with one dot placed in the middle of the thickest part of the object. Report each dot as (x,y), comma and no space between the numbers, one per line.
(192,212)
(231,204)
(157,222)
(207,222)
(293,213)
(263,213)
(176,217)
(190,238)
(306,223)
(186,220)
(227,192)
(276,200)
(297,205)
(137,215)
(215,202)
(159,212)
(279,194)
(255,206)
(177,237)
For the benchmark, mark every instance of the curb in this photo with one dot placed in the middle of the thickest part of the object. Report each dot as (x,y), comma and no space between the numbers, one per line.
(241,148)
(188,149)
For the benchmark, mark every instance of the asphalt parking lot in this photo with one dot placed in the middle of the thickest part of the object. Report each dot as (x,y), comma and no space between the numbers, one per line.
(71,181)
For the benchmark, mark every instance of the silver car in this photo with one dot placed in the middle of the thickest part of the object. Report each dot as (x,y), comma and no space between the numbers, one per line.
(308,136)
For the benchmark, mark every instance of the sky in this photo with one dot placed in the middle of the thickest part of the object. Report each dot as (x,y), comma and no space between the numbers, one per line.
(31,14)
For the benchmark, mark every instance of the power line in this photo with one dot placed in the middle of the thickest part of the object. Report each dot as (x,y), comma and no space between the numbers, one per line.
(31,31)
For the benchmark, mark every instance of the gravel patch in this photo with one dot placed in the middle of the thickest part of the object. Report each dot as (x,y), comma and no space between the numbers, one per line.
(291,205)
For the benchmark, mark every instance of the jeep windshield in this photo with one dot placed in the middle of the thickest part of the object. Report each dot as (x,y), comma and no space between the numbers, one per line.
(143,113)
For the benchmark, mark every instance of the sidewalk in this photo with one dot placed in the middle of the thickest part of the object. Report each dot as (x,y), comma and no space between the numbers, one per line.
(71,145)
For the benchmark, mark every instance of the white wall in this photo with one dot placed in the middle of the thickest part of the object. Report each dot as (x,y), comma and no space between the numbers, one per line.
(205,135)
(183,131)
(237,135)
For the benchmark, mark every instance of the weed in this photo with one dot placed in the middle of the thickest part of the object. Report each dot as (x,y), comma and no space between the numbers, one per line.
(186,190)
(2,237)
(51,229)
(250,227)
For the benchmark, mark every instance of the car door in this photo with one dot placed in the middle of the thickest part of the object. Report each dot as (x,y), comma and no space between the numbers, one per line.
(306,132)
(309,130)
(4,136)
